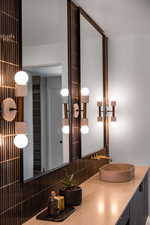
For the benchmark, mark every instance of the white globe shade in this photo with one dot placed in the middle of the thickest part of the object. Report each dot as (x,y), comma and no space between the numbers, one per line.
(21,78)
(21,141)
(64,92)
(65,129)
(84,129)
(85,92)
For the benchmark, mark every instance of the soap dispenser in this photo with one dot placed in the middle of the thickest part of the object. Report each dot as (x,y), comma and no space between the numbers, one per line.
(53,205)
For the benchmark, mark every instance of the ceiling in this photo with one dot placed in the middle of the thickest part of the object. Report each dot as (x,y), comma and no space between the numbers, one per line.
(120,17)
(45,21)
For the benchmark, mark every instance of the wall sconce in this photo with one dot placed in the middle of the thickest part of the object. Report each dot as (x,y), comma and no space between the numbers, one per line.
(21,79)
(100,111)
(9,110)
(20,140)
(105,110)
(84,101)
(65,93)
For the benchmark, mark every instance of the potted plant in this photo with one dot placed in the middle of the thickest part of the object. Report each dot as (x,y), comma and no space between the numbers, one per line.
(71,192)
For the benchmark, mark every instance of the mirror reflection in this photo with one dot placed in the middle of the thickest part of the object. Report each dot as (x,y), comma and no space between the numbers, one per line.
(45,59)
(91,80)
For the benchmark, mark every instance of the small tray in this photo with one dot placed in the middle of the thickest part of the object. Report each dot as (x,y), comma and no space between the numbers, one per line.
(61,217)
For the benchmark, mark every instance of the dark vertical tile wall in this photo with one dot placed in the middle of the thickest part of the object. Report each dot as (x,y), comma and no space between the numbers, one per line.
(36,123)
(10,187)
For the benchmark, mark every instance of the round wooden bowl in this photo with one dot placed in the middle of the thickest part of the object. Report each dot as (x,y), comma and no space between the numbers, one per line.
(117,173)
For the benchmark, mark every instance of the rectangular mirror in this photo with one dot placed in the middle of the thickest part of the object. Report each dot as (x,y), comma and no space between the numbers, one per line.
(92,78)
(45,59)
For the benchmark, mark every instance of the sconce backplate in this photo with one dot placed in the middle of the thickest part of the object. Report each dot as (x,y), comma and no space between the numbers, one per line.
(76,110)
(9,109)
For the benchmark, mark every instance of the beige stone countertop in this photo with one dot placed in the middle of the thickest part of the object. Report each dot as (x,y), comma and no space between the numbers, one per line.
(103,203)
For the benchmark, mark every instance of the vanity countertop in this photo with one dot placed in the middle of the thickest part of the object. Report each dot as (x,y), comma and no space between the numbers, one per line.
(103,203)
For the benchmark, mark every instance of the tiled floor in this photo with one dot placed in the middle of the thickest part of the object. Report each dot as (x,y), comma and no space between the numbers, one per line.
(148,221)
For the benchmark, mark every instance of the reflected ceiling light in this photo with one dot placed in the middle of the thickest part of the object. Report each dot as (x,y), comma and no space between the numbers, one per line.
(21,78)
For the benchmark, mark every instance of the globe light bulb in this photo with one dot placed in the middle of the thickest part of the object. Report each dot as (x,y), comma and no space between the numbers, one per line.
(84,129)
(21,78)
(85,92)
(64,92)
(21,141)
(65,129)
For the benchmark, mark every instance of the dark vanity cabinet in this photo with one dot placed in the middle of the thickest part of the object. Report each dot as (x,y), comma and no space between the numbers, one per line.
(137,211)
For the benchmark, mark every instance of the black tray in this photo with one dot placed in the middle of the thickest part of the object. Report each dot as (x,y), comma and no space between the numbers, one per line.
(61,217)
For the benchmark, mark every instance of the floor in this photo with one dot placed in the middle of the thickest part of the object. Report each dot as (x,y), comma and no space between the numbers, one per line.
(148,221)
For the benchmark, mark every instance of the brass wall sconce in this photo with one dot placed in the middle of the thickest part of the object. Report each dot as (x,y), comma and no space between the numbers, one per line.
(65,93)
(84,103)
(9,110)
(83,109)
(105,110)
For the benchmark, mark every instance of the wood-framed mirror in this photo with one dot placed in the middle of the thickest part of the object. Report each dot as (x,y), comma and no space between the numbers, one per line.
(45,59)
(94,77)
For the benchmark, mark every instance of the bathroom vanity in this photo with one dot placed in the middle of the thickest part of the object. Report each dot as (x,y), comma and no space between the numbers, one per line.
(110,203)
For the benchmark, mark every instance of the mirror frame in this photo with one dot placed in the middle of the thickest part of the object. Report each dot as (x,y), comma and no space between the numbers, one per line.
(105,79)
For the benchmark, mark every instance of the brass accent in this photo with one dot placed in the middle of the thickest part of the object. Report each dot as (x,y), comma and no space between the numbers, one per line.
(61,202)
(98,157)
(9,109)
(9,87)
(20,127)
(12,64)
(20,90)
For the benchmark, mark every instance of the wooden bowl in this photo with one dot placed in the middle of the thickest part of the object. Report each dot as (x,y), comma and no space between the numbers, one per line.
(117,173)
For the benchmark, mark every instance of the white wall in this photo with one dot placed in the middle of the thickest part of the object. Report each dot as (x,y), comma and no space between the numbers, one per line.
(129,82)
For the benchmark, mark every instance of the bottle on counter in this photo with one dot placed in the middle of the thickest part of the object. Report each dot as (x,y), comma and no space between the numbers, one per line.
(53,205)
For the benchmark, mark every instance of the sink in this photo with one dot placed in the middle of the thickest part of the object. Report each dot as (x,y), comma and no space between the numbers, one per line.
(117,173)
